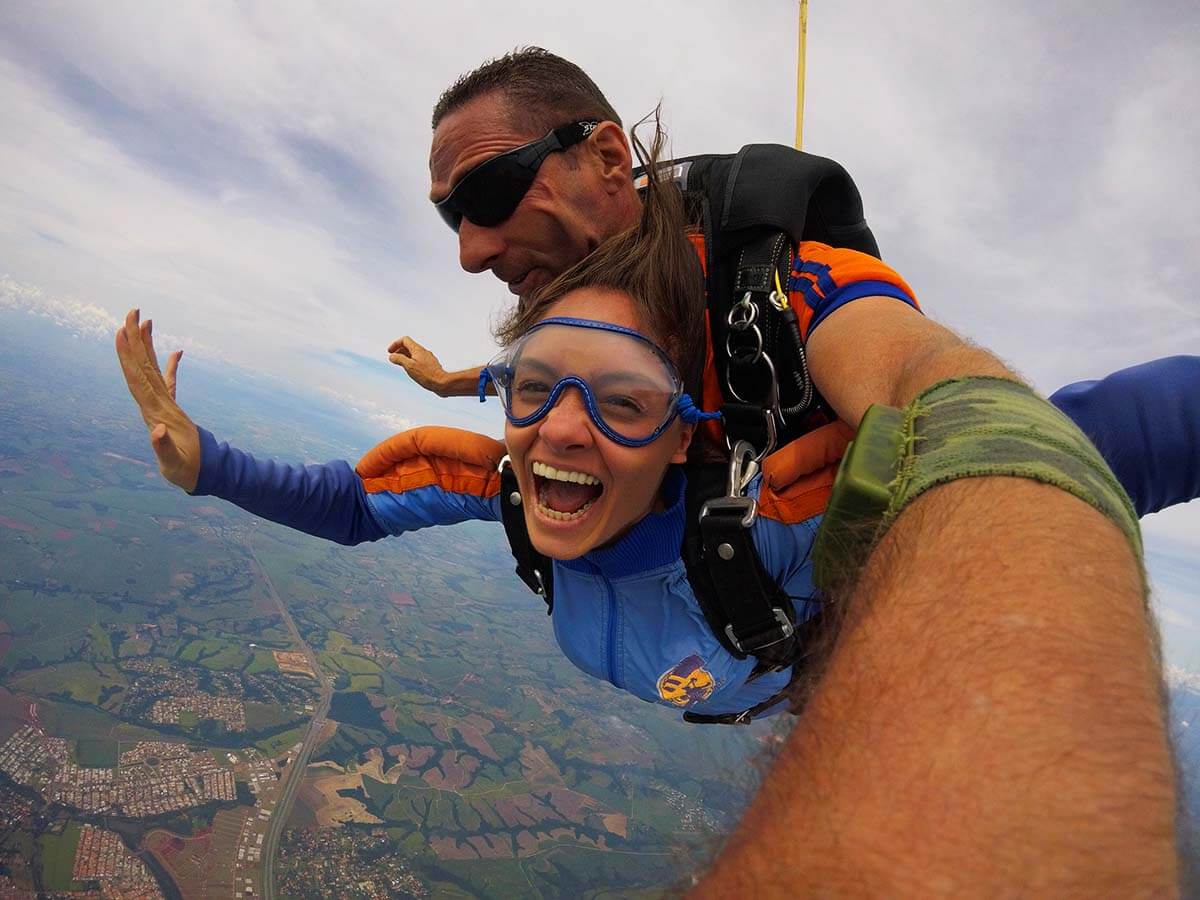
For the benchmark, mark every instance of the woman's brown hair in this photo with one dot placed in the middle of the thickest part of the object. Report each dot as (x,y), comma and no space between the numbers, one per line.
(653,263)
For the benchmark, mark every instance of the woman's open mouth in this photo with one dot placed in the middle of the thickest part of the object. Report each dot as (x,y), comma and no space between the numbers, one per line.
(564,495)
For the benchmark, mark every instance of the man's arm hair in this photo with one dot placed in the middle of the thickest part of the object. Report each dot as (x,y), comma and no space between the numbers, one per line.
(990,720)
(463,383)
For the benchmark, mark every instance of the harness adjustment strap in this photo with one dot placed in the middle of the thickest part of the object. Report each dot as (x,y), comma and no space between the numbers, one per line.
(757,618)
(745,421)
(536,570)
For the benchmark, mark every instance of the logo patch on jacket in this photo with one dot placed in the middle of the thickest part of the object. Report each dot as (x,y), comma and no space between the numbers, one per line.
(686,682)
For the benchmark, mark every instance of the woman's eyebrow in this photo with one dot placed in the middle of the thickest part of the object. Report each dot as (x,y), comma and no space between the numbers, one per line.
(533,363)
(607,378)
(634,378)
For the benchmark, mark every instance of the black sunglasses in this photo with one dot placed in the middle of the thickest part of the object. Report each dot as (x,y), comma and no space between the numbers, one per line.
(488,194)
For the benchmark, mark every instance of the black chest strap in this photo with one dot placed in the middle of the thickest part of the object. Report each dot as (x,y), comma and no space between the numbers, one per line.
(536,570)
(747,611)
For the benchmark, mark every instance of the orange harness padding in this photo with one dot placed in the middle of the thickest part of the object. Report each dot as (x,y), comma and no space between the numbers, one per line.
(798,478)
(457,460)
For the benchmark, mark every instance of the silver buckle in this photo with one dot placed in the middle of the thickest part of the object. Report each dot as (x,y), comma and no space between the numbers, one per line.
(786,628)
(541,588)
(743,466)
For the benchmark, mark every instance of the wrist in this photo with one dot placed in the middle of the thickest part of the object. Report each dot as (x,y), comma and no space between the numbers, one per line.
(959,428)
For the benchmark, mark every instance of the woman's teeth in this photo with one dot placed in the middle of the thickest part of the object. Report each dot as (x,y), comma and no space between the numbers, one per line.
(562,516)
(563,497)
(545,471)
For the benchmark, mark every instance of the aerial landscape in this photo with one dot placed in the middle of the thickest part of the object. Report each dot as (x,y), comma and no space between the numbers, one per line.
(190,696)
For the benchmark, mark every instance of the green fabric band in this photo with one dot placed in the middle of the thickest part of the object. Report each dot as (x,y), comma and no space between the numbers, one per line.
(959,428)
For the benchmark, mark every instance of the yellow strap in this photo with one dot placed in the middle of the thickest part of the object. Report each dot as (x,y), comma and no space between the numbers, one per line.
(800,74)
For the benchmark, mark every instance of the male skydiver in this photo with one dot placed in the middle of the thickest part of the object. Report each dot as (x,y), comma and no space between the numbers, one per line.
(989,720)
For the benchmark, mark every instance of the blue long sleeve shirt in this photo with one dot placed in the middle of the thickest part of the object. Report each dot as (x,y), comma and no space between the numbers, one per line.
(1145,421)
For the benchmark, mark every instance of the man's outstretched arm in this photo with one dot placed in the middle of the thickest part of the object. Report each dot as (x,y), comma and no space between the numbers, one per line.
(426,370)
(990,719)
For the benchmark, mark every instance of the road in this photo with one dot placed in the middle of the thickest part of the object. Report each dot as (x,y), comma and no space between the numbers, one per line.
(291,778)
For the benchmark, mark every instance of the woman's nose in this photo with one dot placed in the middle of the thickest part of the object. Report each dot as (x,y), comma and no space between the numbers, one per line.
(568,424)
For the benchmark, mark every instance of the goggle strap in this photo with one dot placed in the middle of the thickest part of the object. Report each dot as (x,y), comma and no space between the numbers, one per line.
(484,377)
(691,414)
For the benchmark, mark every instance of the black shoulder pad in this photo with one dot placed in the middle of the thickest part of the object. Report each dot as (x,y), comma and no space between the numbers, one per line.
(776,187)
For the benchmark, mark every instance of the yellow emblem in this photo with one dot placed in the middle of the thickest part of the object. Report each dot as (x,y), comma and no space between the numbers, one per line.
(686,682)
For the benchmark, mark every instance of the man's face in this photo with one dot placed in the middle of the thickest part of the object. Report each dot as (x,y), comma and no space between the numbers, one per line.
(556,224)
(568,442)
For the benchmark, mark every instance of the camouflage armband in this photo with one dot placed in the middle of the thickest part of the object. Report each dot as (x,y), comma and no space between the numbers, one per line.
(959,428)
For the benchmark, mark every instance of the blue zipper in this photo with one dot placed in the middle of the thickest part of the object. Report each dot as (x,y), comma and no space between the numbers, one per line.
(613,610)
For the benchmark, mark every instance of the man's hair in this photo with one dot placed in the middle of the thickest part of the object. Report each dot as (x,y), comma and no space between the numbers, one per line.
(543,91)
(653,263)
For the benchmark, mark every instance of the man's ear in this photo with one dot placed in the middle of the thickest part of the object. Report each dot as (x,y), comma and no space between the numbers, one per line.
(611,149)
(685,441)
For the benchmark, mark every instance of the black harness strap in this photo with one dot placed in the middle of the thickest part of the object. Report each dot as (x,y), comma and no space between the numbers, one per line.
(536,570)
(747,611)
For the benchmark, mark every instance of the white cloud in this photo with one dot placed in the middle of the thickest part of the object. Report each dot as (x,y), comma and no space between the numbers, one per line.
(369,410)
(80,317)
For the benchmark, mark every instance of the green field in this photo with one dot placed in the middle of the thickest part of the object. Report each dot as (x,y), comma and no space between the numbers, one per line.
(277,744)
(72,721)
(263,716)
(80,681)
(102,647)
(335,641)
(365,683)
(215,653)
(96,753)
(263,661)
(350,663)
(58,859)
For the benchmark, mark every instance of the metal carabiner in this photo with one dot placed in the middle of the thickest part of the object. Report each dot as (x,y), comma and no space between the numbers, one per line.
(738,358)
(743,466)
(772,431)
(747,313)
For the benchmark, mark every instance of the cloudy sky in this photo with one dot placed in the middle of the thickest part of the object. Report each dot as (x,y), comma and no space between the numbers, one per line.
(253,175)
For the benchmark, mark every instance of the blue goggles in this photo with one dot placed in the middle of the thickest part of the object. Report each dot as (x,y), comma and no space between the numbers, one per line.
(630,387)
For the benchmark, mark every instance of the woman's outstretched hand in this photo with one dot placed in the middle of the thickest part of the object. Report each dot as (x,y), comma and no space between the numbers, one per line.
(173,436)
